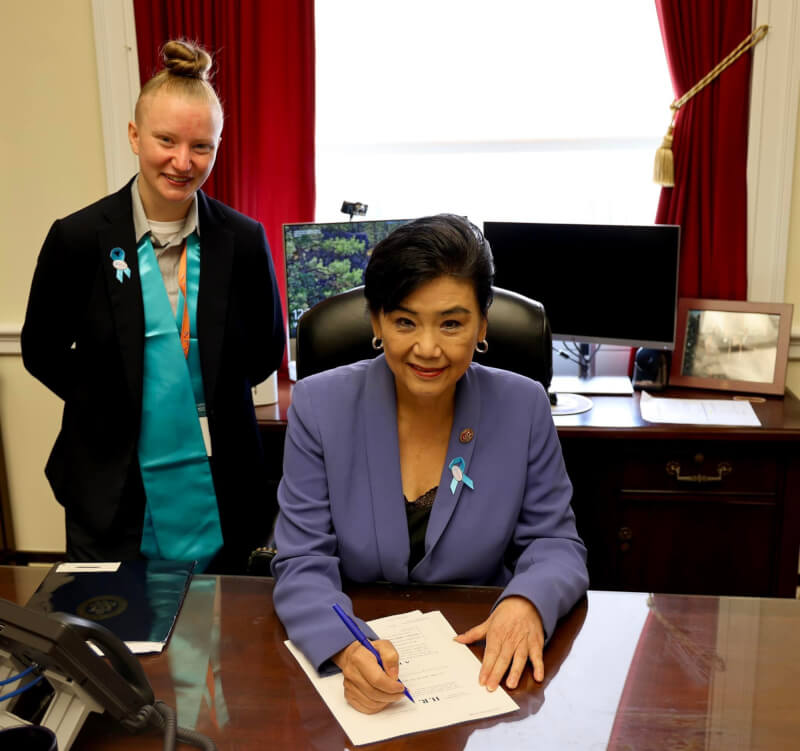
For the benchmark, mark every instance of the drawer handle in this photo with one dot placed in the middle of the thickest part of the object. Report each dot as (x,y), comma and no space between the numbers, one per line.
(723,468)
(625,536)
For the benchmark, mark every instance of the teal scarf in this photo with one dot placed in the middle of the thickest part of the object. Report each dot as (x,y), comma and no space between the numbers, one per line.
(181,514)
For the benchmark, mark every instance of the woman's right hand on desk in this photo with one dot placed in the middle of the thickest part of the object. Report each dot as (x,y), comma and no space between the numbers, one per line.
(367,687)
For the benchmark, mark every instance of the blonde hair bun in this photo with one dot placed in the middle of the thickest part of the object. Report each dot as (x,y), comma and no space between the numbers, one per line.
(186,59)
(185,72)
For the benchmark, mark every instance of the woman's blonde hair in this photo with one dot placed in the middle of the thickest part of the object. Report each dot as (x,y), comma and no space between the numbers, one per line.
(186,72)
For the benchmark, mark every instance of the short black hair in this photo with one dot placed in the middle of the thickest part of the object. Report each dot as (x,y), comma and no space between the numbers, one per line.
(424,250)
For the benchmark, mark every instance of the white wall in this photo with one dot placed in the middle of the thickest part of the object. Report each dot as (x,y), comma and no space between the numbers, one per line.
(793,271)
(51,152)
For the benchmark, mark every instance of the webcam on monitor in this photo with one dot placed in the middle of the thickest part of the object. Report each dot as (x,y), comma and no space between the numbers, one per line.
(354,209)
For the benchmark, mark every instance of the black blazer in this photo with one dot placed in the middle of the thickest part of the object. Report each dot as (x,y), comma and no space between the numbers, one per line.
(83,337)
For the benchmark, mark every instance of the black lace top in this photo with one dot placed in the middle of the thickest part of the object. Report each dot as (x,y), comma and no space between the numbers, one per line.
(417,513)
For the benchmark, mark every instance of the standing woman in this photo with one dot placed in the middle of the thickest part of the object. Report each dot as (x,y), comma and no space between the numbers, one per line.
(152,313)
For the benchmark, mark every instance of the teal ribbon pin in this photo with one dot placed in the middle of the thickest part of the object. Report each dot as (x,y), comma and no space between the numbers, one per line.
(456,466)
(118,262)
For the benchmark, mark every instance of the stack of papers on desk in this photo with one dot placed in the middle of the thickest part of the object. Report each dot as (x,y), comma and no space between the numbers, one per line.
(698,411)
(441,675)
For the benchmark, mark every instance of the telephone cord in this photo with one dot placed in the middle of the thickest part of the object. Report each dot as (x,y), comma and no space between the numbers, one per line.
(164,718)
(21,689)
(18,676)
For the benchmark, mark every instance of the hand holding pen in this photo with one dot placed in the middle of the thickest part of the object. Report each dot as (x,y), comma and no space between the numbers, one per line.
(371,682)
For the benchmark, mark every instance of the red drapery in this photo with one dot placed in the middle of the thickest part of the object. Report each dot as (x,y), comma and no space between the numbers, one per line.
(709,199)
(263,52)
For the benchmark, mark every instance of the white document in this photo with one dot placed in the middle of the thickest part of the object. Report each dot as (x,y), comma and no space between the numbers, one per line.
(441,675)
(78,567)
(697,411)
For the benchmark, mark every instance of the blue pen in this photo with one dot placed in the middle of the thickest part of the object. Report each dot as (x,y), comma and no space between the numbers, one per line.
(363,641)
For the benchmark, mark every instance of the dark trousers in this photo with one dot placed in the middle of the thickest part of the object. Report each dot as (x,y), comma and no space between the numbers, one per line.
(121,542)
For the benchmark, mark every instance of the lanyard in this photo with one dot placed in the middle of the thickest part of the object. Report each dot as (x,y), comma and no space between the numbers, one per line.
(185,324)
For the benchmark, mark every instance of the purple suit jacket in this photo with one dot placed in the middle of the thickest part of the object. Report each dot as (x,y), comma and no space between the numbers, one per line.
(341,501)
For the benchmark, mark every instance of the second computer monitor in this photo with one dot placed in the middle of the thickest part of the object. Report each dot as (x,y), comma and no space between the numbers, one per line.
(605,284)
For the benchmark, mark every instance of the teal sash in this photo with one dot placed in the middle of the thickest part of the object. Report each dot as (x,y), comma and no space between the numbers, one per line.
(181,514)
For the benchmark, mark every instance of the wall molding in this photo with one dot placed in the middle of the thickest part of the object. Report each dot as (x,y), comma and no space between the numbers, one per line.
(9,338)
(118,81)
(774,88)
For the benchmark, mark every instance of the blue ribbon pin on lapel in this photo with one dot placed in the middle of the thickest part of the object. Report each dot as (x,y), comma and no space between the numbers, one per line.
(456,466)
(118,262)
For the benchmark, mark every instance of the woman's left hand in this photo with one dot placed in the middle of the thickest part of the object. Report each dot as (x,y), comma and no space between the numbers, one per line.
(514,634)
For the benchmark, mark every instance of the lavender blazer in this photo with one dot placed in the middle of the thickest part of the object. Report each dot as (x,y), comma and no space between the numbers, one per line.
(341,501)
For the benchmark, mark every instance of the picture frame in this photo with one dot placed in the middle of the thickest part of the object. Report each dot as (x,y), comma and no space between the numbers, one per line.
(732,345)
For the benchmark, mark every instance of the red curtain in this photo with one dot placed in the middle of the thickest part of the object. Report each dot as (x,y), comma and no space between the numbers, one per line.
(263,52)
(709,199)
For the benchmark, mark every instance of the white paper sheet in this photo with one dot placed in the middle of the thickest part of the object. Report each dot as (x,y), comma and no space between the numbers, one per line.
(441,675)
(697,411)
(73,568)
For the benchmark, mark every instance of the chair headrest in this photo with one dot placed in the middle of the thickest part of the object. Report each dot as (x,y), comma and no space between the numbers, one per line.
(338,331)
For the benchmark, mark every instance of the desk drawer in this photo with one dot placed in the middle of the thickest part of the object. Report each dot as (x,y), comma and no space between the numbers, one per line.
(687,468)
(696,545)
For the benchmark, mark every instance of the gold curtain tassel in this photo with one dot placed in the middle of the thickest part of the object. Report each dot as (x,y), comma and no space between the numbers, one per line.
(664,166)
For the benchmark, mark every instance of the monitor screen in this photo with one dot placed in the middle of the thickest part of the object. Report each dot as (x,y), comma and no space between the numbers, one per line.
(325,259)
(603,284)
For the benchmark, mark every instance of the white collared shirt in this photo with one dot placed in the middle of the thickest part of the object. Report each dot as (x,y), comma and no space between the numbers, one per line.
(167,239)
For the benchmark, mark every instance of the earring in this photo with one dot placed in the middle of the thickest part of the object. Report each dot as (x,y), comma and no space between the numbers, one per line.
(482,347)
(377,343)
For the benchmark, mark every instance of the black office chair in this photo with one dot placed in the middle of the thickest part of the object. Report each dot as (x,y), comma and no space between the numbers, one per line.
(337,331)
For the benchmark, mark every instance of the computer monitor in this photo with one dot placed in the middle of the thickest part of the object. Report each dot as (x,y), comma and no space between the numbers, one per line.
(603,284)
(323,259)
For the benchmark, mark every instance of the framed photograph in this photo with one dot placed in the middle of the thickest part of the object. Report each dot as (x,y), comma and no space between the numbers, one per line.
(731,345)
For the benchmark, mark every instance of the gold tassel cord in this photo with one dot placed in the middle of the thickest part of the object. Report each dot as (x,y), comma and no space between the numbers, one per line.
(664,169)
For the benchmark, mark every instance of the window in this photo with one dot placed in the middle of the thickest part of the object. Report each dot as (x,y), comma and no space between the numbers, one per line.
(509,110)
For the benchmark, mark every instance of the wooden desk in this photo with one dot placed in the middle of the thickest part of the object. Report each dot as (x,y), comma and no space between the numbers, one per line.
(646,529)
(691,673)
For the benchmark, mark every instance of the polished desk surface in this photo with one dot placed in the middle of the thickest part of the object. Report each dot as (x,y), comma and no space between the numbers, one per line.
(623,671)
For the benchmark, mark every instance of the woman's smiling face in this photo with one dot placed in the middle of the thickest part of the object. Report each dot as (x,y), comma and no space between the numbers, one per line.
(429,339)
(176,140)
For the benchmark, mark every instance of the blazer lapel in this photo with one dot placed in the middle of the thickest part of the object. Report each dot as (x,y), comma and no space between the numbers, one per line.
(383,467)
(125,295)
(216,265)
(467,417)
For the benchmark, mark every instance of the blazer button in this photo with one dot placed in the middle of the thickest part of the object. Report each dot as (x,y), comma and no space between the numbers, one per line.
(466,435)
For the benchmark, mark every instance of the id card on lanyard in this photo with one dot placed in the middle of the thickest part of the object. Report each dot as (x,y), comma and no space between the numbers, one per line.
(201,414)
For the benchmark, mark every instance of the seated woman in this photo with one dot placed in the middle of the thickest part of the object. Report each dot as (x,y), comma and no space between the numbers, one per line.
(422,466)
